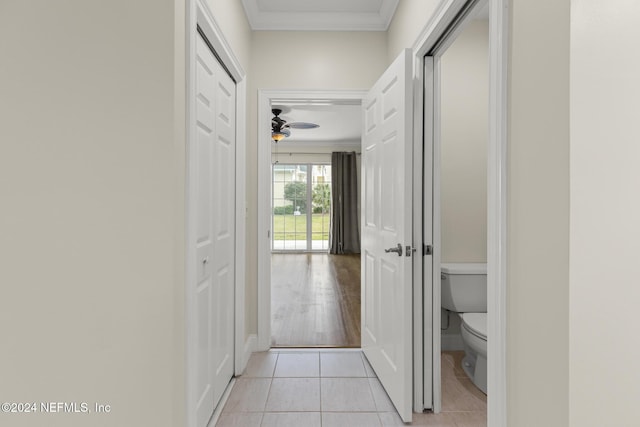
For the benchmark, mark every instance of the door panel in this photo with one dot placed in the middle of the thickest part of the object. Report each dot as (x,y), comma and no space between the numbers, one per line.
(215,230)
(205,125)
(387,188)
(224,248)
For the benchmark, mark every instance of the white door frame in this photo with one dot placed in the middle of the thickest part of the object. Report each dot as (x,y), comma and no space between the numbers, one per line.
(446,13)
(198,15)
(265,98)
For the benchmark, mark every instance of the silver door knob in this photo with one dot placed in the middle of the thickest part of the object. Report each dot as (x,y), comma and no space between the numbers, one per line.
(397,249)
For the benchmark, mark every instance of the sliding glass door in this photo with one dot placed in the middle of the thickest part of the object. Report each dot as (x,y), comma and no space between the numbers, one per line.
(301,207)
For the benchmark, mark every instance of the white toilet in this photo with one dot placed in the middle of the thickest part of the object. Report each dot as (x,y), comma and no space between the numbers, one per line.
(464,291)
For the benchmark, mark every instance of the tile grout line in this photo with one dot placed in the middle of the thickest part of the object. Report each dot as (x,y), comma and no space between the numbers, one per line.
(320,384)
(375,404)
(264,409)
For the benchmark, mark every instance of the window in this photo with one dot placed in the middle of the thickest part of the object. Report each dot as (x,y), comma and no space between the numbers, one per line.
(301,207)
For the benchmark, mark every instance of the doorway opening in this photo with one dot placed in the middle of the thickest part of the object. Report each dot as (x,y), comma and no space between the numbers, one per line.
(429,52)
(462,75)
(314,285)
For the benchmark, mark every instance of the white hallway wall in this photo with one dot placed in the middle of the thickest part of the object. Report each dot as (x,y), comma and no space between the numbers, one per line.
(91,190)
(605,212)
(538,209)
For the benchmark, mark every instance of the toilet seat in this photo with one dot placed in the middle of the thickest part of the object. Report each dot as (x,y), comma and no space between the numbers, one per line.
(475,323)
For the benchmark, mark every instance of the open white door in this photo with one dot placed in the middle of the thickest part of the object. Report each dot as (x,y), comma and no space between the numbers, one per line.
(387,231)
(215,247)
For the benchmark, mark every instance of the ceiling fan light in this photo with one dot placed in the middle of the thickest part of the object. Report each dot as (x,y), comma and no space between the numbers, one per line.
(277,136)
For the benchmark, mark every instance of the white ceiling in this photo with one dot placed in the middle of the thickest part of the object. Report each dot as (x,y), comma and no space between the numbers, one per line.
(339,123)
(320,15)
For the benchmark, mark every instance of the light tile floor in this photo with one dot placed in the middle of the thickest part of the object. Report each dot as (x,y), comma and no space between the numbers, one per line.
(335,388)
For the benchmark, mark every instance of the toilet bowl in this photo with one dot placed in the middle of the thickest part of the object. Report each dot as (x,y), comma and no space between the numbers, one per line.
(464,291)
(474,337)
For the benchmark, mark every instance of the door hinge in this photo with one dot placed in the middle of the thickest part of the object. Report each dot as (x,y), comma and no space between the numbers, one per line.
(427,250)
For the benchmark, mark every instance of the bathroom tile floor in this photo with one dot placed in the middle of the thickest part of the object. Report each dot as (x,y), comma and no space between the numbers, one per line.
(334,388)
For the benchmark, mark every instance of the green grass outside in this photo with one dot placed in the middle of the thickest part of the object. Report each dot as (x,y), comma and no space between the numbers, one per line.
(294,227)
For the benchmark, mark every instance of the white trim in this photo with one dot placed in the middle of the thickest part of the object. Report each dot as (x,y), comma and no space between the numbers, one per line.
(497,213)
(497,198)
(431,322)
(250,345)
(436,299)
(241,221)
(199,14)
(309,208)
(419,327)
(264,223)
(436,26)
(223,400)
(190,221)
(287,20)
(265,97)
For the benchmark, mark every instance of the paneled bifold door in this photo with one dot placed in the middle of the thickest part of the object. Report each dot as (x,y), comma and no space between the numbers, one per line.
(387,232)
(215,143)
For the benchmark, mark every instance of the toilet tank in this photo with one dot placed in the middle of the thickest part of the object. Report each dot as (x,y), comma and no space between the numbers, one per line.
(464,287)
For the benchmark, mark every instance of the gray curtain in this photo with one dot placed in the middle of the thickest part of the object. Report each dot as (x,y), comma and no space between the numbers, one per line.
(345,224)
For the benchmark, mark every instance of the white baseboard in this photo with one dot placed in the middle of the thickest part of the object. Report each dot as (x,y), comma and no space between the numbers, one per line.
(451,342)
(223,400)
(249,347)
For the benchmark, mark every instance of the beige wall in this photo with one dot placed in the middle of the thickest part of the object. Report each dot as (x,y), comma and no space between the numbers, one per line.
(538,209)
(605,213)
(230,16)
(316,60)
(307,61)
(465,101)
(407,24)
(90,173)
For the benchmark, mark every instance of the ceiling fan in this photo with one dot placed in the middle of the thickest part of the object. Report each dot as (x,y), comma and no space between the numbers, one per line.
(281,129)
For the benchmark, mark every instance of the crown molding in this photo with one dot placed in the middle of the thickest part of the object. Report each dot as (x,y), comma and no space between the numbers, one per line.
(319,21)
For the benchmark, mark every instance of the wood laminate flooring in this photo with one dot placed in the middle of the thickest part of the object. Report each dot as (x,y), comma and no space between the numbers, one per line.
(315,300)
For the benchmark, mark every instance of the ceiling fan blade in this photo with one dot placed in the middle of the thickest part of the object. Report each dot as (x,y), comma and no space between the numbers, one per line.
(302,125)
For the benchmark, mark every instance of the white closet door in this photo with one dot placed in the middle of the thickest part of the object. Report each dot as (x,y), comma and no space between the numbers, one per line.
(215,240)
